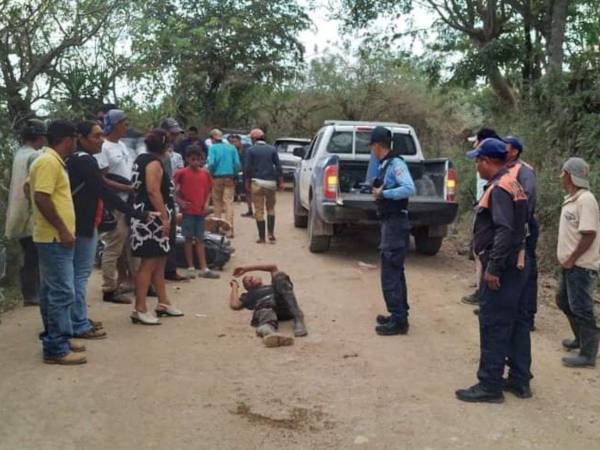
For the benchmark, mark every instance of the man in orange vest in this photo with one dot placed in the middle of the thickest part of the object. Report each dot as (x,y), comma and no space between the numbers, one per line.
(498,238)
(525,175)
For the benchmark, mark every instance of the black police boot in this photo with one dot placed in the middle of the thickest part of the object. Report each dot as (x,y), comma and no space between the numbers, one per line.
(472,299)
(392,327)
(382,320)
(478,394)
(517,389)
(588,337)
(572,344)
(260,224)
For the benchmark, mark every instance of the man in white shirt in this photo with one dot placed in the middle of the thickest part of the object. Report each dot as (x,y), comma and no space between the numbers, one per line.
(578,252)
(115,162)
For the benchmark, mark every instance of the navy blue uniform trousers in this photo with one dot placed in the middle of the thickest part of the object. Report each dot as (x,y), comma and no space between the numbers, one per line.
(393,248)
(504,321)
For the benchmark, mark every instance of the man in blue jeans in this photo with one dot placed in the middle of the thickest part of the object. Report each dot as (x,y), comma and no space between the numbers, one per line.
(53,234)
(578,252)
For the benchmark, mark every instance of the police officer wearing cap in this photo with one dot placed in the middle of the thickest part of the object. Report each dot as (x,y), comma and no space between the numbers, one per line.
(499,236)
(525,175)
(391,190)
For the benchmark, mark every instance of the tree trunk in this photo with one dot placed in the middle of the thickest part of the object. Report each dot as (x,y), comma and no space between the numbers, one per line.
(556,41)
(500,85)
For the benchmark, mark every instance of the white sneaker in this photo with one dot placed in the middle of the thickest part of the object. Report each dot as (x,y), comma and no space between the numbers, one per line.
(144,318)
(191,272)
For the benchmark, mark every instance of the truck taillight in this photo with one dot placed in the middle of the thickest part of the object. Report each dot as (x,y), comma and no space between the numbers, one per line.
(451,185)
(330,182)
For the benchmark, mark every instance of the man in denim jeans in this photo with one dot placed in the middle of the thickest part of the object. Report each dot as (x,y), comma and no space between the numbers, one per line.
(53,234)
(578,252)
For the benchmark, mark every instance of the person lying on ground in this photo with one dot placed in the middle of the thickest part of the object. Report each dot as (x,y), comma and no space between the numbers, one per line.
(270,303)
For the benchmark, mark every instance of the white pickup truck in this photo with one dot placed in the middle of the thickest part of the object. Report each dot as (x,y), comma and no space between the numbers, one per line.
(330,181)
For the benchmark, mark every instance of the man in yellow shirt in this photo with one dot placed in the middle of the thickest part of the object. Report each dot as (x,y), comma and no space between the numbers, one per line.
(53,234)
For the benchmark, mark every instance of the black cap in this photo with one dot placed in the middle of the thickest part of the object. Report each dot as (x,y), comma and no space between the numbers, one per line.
(381,135)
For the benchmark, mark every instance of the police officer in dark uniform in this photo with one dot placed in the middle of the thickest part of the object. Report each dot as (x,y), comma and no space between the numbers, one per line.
(499,237)
(526,177)
(391,190)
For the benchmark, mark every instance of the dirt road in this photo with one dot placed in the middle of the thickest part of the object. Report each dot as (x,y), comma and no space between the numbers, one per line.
(208,383)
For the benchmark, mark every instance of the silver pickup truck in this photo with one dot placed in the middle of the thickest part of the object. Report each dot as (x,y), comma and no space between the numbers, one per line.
(330,185)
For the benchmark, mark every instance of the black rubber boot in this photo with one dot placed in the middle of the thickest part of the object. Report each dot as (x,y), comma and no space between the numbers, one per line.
(260,224)
(588,338)
(271,225)
(297,314)
(572,344)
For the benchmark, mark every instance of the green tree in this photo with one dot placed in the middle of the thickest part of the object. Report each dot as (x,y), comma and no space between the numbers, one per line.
(34,37)
(213,52)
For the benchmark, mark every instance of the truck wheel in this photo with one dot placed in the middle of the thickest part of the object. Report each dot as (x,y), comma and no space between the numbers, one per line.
(426,245)
(300,214)
(316,243)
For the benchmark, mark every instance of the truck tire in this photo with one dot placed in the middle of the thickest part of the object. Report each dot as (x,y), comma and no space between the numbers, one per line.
(317,243)
(300,214)
(426,245)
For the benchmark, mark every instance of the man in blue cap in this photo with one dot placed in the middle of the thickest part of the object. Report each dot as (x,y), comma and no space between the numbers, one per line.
(525,175)
(498,238)
(391,190)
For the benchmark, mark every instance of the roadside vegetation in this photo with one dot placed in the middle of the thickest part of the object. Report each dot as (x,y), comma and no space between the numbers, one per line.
(525,67)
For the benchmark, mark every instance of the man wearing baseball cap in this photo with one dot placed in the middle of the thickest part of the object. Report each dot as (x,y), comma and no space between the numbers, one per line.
(525,175)
(498,237)
(578,252)
(391,190)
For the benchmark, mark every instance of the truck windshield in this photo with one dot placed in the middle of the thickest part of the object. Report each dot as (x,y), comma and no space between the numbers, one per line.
(341,142)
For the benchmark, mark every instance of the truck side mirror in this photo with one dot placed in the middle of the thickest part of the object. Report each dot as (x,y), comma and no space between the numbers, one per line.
(300,152)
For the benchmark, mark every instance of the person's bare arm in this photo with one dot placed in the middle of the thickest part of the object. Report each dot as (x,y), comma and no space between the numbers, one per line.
(234,296)
(120,187)
(587,239)
(271,268)
(154,173)
(47,209)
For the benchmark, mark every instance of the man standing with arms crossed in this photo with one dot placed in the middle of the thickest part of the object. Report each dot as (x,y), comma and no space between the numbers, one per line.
(54,236)
(391,190)
(578,252)
(498,238)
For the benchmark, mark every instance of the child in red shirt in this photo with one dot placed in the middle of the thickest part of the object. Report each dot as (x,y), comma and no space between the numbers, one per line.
(193,185)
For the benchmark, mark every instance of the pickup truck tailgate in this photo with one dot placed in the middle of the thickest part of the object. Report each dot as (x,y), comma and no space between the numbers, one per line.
(422,210)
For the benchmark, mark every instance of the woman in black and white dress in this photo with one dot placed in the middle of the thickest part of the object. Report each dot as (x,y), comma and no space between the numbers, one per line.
(150,240)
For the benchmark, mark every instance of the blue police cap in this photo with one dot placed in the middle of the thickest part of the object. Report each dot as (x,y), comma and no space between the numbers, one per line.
(381,135)
(515,142)
(492,148)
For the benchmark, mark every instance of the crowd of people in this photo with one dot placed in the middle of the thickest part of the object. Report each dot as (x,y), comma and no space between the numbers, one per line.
(75,185)
(70,182)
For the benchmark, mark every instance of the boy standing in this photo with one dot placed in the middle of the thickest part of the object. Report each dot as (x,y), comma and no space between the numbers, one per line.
(194,184)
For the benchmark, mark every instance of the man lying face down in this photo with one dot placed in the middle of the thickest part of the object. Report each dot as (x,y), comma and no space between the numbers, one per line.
(270,303)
